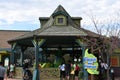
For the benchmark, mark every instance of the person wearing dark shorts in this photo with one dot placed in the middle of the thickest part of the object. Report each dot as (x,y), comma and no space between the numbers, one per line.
(68,70)
(62,71)
(62,74)
(76,72)
(77,68)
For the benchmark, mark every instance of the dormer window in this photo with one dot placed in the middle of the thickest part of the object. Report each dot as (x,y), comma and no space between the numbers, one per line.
(60,20)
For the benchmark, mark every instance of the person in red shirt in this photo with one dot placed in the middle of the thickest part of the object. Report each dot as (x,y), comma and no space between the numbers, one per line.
(77,69)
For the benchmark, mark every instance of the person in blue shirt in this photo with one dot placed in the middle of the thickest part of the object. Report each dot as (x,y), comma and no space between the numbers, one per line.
(2,72)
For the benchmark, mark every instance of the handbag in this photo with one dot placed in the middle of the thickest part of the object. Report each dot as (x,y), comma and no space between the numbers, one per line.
(72,72)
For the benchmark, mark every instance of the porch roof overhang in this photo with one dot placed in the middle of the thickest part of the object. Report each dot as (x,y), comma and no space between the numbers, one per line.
(50,41)
(53,37)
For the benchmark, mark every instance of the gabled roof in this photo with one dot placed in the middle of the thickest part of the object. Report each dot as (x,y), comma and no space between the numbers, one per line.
(50,30)
(60,10)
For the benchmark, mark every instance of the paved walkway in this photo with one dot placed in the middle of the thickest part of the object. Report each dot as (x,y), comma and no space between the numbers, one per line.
(117,78)
(13,79)
(21,79)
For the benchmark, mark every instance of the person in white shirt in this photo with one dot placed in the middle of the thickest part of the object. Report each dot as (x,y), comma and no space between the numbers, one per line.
(62,71)
(12,67)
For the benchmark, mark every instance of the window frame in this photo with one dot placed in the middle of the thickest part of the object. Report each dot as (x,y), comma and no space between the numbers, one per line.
(60,20)
(63,23)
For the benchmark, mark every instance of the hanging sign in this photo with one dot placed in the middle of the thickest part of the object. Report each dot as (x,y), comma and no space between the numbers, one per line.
(90,63)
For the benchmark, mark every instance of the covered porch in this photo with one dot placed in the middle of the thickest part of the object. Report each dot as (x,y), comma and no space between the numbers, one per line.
(49,53)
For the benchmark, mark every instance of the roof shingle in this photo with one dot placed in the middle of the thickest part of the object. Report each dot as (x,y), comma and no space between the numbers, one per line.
(7,35)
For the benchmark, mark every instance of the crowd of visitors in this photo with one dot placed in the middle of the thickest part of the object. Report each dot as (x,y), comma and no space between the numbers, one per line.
(7,71)
(69,70)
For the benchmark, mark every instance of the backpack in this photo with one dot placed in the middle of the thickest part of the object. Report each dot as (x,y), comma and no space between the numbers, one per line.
(77,68)
(62,67)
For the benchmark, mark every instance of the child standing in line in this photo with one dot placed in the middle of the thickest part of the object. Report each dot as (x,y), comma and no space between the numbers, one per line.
(62,71)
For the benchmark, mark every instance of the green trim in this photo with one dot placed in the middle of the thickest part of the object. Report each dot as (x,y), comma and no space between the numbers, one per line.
(80,42)
(13,46)
(64,20)
(41,41)
(4,52)
(59,12)
(34,42)
(117,50)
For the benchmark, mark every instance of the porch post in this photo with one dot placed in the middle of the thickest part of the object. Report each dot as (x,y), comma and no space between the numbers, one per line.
(12,56)
(22,54)
(21,57)
(85,74)
(85,77)
(37,43)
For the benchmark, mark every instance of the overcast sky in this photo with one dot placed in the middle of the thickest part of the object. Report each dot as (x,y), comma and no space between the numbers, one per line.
(24,14)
